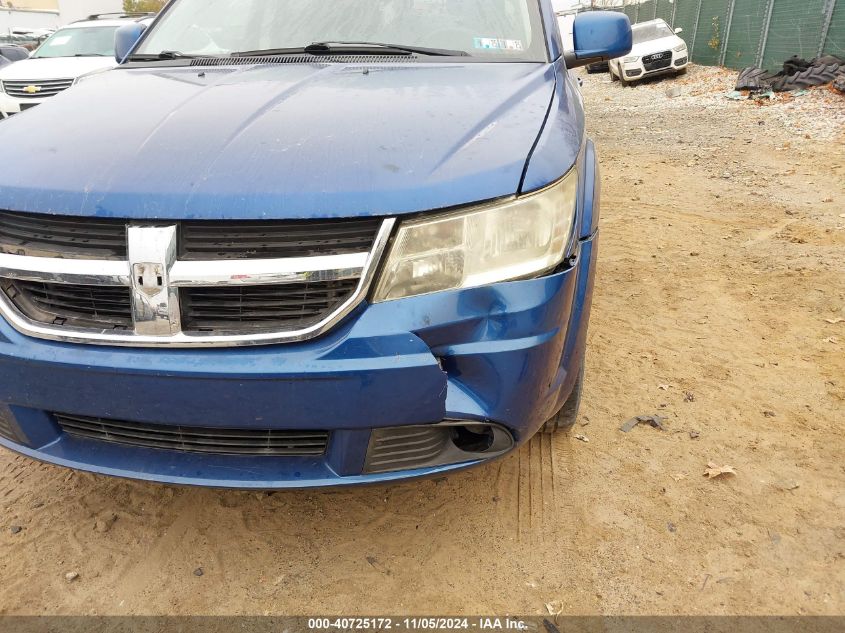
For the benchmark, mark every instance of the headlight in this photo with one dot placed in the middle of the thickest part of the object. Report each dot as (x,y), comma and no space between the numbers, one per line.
(679,48)
(628,60)
(480,246)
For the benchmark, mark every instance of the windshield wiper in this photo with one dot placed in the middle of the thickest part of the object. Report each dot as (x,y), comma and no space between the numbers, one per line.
(353,48)
(161,55)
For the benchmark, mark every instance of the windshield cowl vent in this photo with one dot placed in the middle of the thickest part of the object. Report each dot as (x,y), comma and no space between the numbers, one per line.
(304,59)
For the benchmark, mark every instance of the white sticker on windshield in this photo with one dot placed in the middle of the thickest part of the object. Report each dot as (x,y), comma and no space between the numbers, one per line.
(494,43)
(62,39)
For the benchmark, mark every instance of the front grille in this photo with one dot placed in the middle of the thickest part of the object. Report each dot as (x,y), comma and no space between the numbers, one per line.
(68,237)
(71,305)
(183,283)
(72,237)
(657,61)
(268,240)
(262,308)
(267,442)
(23,89)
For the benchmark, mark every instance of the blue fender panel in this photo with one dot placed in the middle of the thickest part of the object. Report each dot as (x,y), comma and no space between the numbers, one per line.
(562,138)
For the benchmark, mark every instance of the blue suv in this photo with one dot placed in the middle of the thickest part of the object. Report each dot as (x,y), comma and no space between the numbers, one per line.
(304,243)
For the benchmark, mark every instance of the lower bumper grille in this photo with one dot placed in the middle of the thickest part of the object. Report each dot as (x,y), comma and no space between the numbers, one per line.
(71,305)
(680,61)
(268,442)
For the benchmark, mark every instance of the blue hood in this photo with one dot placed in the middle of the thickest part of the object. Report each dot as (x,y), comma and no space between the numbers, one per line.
(278,140)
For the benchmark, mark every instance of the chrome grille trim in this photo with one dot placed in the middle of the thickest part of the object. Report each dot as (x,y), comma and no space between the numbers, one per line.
(152,327)
(92,272)
(258,272)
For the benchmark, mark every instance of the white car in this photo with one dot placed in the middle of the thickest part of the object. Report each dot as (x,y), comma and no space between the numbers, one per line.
(78,49)
(657,50)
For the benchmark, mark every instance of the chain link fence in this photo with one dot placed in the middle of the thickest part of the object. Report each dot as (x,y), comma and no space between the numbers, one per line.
(741,33)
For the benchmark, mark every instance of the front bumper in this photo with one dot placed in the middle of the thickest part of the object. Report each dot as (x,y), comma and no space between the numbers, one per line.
(634,71)
(506,354)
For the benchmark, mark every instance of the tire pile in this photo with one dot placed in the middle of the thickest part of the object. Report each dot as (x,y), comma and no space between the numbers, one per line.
(797,74)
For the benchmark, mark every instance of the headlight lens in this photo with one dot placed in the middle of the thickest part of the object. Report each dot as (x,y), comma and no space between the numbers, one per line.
(679,48)
(481,246)
(628,60)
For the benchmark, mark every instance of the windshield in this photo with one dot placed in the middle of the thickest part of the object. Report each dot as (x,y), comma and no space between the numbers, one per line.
(90,41)
(649,32)
(490,29)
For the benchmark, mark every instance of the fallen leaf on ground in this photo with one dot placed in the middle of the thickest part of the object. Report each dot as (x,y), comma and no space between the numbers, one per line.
(582,438)
(679,476)
(713,470)
(835,321)
(831,339)
(555,607)
(663,387)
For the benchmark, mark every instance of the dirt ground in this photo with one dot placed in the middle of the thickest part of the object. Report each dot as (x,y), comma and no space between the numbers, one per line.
(720,304)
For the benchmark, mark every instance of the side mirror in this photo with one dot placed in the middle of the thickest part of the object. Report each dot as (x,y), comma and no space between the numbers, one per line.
(595,36)
(125,39)
(679,30)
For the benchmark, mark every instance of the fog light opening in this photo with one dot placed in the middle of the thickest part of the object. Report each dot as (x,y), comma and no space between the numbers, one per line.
(451,442)
(477,438)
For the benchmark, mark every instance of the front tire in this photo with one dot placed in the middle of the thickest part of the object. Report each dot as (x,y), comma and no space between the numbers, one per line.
(565,418)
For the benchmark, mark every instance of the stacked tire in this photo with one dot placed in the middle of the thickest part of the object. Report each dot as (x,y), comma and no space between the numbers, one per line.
(797,74)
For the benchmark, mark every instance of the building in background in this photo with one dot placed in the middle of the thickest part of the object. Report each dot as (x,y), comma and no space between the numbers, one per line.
(35,15)
(28,15)
(71,10)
